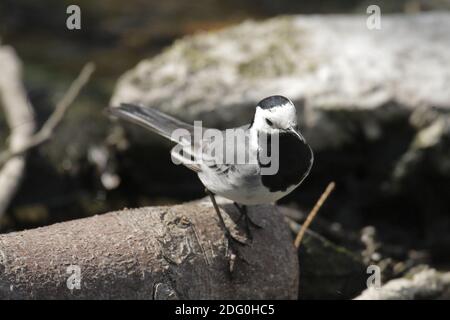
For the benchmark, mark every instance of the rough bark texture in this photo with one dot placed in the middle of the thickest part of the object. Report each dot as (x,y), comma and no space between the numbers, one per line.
(150,253)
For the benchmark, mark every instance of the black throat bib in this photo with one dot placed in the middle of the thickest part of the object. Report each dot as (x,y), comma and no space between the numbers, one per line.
(294,156)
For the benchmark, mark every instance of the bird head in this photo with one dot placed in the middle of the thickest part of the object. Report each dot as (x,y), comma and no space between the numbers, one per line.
(276,114)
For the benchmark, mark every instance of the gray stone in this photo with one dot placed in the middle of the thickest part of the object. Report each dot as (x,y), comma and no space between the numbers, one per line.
(426,284)
(326,64)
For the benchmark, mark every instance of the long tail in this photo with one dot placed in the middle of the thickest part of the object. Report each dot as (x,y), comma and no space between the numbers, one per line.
(152,119)
(164,125)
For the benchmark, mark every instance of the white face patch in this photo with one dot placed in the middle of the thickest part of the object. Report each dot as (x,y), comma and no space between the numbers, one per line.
(277,118)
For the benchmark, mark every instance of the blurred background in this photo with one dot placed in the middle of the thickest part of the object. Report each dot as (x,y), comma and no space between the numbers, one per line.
(391,203)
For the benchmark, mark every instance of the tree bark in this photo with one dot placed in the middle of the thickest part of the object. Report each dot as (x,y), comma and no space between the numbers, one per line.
(177,252)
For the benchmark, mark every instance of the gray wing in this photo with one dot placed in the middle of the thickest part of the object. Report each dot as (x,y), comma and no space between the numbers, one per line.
(209,154)
(196,156)
(229,154)
(150,118)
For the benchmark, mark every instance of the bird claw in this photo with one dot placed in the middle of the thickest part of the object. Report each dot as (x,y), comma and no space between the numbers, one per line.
(232,252)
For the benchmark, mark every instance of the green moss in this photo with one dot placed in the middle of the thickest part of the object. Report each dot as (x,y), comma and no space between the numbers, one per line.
(195,53)
(329,271)
(281,55)
(272,62)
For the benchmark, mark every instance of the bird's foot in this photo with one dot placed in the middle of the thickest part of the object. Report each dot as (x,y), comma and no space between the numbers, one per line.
(233,253)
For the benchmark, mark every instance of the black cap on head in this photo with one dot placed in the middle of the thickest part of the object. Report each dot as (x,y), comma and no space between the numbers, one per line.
(273,101)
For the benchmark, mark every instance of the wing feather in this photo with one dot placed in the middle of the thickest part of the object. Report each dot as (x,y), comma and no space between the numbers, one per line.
(152,119)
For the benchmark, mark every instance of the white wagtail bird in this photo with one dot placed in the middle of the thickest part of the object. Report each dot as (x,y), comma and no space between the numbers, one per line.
(243,183)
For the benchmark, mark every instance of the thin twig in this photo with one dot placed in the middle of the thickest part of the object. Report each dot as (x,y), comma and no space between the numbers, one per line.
(313,213)
(46,132)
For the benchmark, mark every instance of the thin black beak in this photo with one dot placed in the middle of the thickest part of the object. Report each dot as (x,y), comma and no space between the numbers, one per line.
(294,130)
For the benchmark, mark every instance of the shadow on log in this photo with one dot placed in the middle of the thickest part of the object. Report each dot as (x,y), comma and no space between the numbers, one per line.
(176,252)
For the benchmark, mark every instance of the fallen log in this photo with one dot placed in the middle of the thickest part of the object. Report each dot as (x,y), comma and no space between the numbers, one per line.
(170,252)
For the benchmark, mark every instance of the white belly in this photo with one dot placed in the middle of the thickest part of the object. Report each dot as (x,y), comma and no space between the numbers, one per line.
(246,190)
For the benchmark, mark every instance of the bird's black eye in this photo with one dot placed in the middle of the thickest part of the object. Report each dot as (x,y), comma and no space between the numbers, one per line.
(270,123)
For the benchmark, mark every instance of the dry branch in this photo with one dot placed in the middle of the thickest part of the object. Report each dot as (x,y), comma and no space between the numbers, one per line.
(20,119)
(46,132)
(313,213)
(174,252)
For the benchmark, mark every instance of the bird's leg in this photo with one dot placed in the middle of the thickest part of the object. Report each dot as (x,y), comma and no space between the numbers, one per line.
(247,220)
(232,251)
(222,222)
